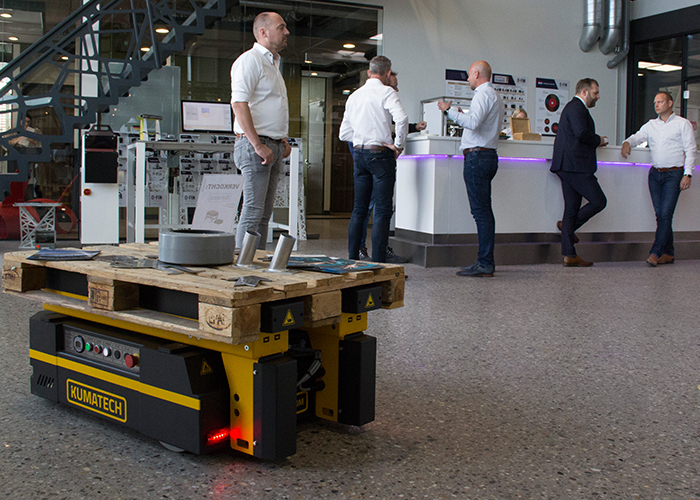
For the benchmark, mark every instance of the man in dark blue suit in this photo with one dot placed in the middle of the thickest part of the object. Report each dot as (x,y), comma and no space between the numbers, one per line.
(574,161)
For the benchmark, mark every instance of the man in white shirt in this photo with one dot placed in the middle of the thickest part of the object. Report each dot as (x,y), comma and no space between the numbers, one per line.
(369,112)
(259,102)
(673,150)
(479,141)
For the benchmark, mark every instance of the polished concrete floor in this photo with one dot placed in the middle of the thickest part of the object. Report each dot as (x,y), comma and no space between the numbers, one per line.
(543,382)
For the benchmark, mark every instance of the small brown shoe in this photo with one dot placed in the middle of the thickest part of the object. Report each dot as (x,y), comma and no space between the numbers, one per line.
(576,262)
(576,240)
(666,259)
(653,260)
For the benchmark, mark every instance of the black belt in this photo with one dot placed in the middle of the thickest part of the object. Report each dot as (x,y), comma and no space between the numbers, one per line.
(261,137)
(668,169)
(372,147)
(478,148)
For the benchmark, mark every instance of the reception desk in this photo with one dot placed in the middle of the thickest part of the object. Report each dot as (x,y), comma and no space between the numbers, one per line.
(434,226)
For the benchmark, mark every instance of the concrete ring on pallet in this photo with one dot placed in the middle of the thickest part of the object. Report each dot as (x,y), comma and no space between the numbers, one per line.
(196,247)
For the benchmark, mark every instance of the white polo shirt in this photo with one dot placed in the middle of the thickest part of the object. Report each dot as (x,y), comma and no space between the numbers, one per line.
(256,79)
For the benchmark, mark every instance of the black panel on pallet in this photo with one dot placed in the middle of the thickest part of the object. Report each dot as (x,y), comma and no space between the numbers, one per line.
(357,370)
(274,396)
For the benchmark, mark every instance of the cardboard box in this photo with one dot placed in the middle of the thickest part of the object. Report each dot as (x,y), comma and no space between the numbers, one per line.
(521,130)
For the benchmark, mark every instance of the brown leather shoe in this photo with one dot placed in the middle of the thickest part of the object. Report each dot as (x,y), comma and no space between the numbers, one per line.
(653,260)
(666,259)
(576,262)
(576,240)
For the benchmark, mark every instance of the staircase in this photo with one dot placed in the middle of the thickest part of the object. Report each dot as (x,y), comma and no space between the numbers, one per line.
(105,47)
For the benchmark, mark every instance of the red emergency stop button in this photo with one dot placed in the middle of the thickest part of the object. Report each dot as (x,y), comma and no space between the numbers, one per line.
(131,360)
(87,192)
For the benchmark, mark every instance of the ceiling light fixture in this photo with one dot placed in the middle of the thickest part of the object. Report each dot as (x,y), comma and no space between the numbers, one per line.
(314,74)
(65,58)
(6,15)
(145,49)
(349,46)
(162,31)
(13,38)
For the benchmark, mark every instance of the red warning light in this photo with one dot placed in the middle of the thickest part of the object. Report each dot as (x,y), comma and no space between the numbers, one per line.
(215,437)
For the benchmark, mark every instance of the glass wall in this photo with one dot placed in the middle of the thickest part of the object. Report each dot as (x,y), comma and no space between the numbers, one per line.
(328,51)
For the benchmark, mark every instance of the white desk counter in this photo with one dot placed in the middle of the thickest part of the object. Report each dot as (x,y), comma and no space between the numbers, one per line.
(432,205)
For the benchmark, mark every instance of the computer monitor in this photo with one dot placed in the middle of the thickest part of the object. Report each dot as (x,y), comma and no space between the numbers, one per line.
(208,117)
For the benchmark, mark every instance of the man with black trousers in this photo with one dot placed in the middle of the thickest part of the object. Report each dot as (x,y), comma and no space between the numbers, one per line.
(574,161)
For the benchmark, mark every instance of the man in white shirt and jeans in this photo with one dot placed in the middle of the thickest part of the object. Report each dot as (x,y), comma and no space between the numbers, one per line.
(672,143)
(482,126)
(367,124)
(259,102)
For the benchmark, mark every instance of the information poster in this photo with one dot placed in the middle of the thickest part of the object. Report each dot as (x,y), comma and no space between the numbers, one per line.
(457,85)
(513,92)
(552,95)
(217,202)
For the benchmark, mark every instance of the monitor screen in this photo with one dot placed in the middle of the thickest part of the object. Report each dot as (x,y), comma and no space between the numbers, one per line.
(201,116)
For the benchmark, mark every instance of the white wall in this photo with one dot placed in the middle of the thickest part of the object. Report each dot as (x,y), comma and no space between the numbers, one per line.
(646,8)
(532,38)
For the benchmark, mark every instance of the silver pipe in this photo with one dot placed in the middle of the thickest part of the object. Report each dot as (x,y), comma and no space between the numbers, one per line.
(625,43)
(282,253)
(592,24)
(248,248)
(612,26)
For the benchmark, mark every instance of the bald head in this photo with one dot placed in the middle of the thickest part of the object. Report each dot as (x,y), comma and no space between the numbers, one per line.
(270,31)
(479,73)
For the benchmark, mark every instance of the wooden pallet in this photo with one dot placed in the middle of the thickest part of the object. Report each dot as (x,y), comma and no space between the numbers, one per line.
(226,313)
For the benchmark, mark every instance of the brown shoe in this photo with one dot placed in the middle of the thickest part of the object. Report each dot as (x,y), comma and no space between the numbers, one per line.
(576,240)
(576,262)
(666,259)
(653,260)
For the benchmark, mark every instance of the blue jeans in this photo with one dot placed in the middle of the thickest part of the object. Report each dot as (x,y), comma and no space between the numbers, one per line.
(575,186)
(480,168)
(664,187)
(375,174)
(363,242)
(259,188)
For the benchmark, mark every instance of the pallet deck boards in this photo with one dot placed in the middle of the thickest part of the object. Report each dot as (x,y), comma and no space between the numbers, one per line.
(226,313)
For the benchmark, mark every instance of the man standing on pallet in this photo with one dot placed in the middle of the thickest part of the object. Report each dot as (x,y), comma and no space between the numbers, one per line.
(367,124)
(673,149)
(259,102)
(482,126)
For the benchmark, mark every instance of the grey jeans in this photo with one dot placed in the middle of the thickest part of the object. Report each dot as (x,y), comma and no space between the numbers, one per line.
(259,188)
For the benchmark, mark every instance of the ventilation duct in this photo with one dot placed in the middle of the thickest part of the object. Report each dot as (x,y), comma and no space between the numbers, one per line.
(593,15)
(625,42)
(612,25)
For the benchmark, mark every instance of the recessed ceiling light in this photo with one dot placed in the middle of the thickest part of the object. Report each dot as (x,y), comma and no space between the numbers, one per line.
(314,74)
(349,46)
(65,58)
(6,15)
(308,61)
(162,30)
(12,38)
(145,49)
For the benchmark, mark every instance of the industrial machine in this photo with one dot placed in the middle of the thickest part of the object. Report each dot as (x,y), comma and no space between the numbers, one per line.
(202,396)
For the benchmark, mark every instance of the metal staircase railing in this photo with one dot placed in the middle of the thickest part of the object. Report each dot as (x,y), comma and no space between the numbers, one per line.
(84,65)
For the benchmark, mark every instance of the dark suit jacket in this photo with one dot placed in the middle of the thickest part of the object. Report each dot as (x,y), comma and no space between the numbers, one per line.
(576,141)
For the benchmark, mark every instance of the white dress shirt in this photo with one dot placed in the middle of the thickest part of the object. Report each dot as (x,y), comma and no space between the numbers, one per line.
(256,79)
(672,142)
(368,115)
(482,123)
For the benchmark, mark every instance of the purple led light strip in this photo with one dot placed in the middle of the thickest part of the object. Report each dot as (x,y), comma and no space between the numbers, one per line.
(514,158)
